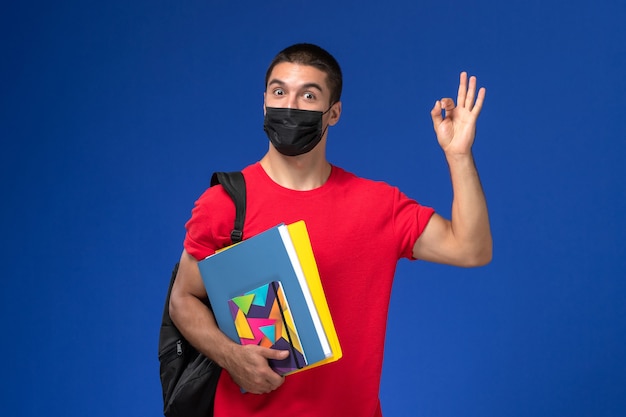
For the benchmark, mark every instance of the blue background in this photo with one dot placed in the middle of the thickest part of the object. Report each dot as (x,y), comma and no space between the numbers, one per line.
(114,114)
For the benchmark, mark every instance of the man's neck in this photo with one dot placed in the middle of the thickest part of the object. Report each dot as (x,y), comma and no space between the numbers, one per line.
(302,173)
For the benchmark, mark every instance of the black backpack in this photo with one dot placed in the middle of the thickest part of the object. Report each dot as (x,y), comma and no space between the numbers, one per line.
(188,378)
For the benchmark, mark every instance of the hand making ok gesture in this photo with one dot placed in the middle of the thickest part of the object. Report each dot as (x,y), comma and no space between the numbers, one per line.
(456,129)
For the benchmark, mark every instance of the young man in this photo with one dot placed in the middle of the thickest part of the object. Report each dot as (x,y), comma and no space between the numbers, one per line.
(358,229)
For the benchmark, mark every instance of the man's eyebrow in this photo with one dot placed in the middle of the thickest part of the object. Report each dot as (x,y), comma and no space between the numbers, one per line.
(312,85)
(303,87)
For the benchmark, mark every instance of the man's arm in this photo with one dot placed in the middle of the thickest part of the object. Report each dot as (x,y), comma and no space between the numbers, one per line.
(465,240)
(247,365)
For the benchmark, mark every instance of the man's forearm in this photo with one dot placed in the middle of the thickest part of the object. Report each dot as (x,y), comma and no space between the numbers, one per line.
(470,219)
(197,324)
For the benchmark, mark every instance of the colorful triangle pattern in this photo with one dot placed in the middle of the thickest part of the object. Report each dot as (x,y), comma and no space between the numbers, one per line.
(244,302)
(259,295)
(262,318)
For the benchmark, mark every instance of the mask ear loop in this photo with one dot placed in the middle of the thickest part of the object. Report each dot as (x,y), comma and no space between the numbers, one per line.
(326,128)
(323,131)
(327,110)
(323,113)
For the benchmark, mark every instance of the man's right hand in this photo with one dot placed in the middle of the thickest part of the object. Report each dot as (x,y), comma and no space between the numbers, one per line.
(248,367)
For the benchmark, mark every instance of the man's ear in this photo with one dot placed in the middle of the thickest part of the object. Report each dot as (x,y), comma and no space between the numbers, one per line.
(335,113)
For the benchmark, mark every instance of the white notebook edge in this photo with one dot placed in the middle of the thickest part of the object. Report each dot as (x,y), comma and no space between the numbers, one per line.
(295,262)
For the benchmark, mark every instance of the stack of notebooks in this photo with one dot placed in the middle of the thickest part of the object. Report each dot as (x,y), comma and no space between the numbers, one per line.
(267,291)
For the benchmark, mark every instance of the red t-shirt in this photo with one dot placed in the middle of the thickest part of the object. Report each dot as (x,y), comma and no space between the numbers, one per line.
(359,229)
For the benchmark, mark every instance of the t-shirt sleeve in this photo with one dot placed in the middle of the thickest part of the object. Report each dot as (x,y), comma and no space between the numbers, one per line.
(207,229)
(410,220)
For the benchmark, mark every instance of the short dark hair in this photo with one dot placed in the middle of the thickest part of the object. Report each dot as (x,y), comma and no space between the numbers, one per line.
(315,56)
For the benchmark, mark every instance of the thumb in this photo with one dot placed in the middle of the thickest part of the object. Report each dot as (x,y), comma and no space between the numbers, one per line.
(275,354)
(436,113)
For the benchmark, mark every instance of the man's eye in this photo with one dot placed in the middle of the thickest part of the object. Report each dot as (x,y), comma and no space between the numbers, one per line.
(279,92)
(309,96)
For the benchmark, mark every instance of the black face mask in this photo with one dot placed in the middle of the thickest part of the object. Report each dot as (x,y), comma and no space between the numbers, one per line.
(293,131)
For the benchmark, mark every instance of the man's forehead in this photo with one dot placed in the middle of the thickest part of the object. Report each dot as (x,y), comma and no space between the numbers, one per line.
(293,74)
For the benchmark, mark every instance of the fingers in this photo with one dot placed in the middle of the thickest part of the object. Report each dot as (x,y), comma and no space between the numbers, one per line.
(263,386)
(447,104)
(479,101)
(275,354)
(466,96)
(467,91)
(462,92)
(270,379)
(468,103)
(471,93)
(273,379)
(250,369)
(272,382)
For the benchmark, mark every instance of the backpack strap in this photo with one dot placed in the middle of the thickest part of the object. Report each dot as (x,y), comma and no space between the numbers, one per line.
(187,377)
(235,185)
